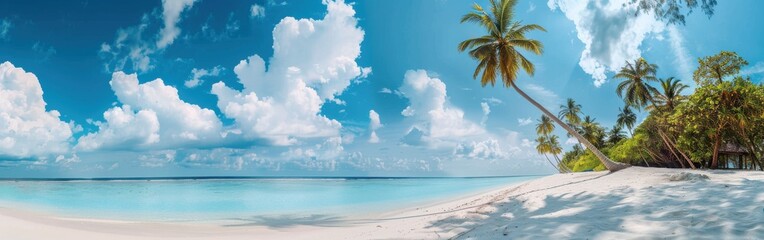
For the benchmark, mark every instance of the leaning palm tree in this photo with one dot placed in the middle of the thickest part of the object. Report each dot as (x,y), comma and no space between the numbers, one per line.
(626,118)
(671,95)
(635,88)
(498,54)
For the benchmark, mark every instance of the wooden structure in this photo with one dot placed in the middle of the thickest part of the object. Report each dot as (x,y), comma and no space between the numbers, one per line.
(733,156)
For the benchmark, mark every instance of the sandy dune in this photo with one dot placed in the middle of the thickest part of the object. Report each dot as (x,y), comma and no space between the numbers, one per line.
(636,203)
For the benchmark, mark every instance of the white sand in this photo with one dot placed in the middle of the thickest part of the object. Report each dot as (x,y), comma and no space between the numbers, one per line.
(636,203)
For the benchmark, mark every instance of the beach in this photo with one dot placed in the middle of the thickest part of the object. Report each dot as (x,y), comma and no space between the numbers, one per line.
(635,203)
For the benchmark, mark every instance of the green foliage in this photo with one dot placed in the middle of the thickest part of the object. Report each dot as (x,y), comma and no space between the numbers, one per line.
(635,86)
(497,51)
(626,118)
(713,69)
(571,112)
(587,162)
(673,11)
(729,111)
(630,150)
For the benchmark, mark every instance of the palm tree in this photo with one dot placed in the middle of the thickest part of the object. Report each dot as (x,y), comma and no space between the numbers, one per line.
(592,131)
(626,118)
(543,147)
(544,126)
(635,88)
(555,149)
(615,135)
(671,95)
(497,55)
(571,111)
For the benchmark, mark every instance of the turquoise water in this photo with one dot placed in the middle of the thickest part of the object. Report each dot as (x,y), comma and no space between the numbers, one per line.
(211,199)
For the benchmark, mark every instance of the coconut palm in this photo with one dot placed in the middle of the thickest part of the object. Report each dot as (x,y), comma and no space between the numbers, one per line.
(626,118)
(543,147)
(498,54)
(671,95)
(571,111)
(615,135)
(555,150)
(544,126)
(635,88)
(592,131)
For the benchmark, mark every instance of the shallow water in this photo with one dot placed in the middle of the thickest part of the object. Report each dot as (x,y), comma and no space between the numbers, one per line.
(219,199)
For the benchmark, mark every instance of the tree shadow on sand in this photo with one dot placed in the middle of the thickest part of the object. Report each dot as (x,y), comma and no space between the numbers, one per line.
(685,210)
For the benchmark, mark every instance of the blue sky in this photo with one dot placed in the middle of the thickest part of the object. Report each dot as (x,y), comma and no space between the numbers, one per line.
(283,88)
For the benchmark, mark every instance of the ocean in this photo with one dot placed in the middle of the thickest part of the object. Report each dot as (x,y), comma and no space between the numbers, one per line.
(213,199)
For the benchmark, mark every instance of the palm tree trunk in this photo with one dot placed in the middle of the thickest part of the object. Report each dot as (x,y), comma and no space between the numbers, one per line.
(663,137)
(550,163)
(609,164)
(689,161)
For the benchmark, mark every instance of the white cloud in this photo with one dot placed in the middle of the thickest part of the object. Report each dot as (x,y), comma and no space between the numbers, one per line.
(386,90)
(492,100)
(682,57)
(160,119)
(274,3)
(486,110)
(571,141)
(610,35)
(198,74)
(123,128)
(26,128)
(531,7)
(549,99)
(313,62)
(208,32)
(329,149)
(134,48)
(5,27)
(524,121)
(171,14)
(755,69)
(434,115)
(257,11)
(374,124)
(487,149)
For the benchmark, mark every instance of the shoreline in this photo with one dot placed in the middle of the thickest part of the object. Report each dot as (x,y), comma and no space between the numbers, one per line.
(287,226)
(632,203)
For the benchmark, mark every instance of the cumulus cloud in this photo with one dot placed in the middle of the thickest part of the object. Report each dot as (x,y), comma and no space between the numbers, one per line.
(610,32)
(432,112)
(171,14)
(487,149)
(152,116)
(313,62)
(524,121)
(374,124)
(198,74)
(329,149)
(26,128)
(257,11)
